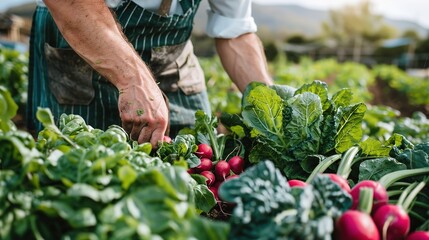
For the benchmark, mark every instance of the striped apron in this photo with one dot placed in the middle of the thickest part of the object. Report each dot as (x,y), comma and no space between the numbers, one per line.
(62,81)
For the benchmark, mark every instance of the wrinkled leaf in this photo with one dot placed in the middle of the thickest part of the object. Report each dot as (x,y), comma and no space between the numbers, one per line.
(262,110)
(303,129)
(374,169)
(319,88)
(284,91)
(350,128)
(375,148)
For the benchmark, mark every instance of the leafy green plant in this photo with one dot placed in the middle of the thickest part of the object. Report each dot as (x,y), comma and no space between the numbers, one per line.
(223,94)
(337,75)
(82,183)
(13,74)
(413,87)
(8,109)
(289,125)
(268,208)
(382,122)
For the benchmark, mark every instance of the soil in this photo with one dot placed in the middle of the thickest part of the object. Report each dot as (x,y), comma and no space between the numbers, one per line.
(384,95)
(221,212)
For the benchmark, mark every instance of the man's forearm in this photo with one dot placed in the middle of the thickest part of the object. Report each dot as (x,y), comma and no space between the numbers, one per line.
(91,30)
(244,60)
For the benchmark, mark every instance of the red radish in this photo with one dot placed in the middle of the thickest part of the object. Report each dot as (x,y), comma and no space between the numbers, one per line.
(205,165)
(380,194)
(204,151)
(418,235)
(393,221)
(215,187)
(167,139)
(236,164)
(232,176)
(296,183)
(214,190)
(217,184)
(356,225)
(342,182)
(222,170)
(210,177)
(191,170)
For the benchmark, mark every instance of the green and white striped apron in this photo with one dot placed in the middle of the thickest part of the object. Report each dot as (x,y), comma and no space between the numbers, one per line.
(152,35)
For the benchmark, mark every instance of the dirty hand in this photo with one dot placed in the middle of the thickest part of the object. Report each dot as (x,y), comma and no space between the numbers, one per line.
(143,112)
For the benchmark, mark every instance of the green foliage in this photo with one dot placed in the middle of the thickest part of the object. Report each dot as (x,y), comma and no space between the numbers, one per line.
(8,109)
(13,73)
(267,208)
(288,130)
(77,182)
(374,169)
(223,94)
(416,127)
(382,122)
(180,151)
(412,87)
(338,76)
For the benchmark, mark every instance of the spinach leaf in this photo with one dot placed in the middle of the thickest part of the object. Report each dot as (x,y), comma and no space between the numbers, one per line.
(77,182)
(180,150)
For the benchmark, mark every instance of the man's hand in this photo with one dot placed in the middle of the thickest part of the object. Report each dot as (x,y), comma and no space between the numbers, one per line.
(144,113)
(91,30)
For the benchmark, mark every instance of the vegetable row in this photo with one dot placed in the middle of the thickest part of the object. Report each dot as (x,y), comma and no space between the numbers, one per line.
(293,165)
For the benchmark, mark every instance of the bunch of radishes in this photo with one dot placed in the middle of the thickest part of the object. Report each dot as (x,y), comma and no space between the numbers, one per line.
(379,219)
(371,215)
(218,171)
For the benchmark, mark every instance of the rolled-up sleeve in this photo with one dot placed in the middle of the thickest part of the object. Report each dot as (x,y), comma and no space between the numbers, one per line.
(230,18)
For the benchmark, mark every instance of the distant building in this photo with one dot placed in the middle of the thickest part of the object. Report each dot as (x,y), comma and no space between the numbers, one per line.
(14,28)
(14,32)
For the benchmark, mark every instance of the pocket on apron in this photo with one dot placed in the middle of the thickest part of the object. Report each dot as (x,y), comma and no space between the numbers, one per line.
(176,67)
(69,76)
(191,75)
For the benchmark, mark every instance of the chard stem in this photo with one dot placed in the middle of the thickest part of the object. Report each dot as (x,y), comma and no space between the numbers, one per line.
(405,193)
(322,166)
(390,178)
(412,195)
(392,193)
(346,163)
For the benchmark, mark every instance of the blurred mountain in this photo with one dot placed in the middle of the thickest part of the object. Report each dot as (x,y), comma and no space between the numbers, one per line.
(281,20)
(25,10)
(274,21)
(277,20)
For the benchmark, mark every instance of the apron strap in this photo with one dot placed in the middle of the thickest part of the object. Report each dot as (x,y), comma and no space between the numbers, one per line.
(164,8)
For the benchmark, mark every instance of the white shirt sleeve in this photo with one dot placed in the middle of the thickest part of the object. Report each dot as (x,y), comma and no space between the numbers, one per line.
(230,18)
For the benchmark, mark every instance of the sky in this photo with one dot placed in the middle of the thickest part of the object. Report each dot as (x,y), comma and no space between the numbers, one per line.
(414,10)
